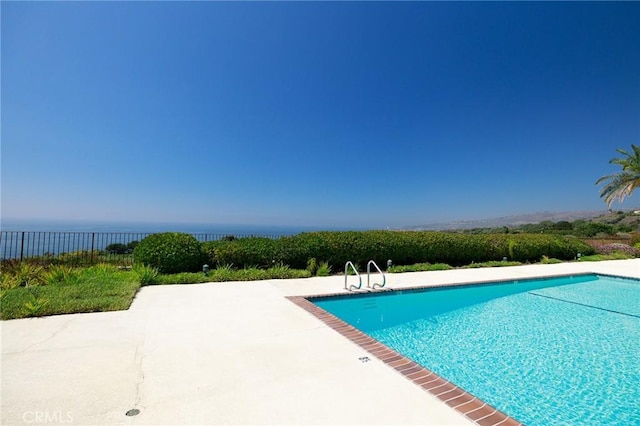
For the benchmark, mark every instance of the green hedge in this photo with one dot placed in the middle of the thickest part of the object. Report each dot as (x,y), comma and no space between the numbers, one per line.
(170,252)
(242,252)
(403,248)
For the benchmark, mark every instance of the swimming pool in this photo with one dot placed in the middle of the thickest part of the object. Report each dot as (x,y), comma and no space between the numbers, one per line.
(564,350)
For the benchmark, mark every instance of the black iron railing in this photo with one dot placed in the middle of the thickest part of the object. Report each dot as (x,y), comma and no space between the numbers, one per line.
(82,248)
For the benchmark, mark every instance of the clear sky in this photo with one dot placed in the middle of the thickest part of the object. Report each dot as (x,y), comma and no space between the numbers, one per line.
(364,114)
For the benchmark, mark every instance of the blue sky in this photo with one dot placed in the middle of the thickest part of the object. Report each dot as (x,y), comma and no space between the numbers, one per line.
(314,114)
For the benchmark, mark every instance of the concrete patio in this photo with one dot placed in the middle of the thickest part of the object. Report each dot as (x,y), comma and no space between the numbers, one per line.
(224,353)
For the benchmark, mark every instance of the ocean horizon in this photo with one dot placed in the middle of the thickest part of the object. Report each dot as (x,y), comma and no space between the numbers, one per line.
(30,237)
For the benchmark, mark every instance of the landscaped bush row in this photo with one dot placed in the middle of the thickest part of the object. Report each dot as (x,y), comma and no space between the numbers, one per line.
(170,252)
(403,248)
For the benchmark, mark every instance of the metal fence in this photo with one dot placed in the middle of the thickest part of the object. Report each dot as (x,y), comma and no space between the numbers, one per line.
(83,248)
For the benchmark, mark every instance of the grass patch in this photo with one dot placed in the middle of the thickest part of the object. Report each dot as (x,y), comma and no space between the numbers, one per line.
(419,267)
(492,264)
(228,273)
(612,256)
(183,278)
(32,291)
(96,289)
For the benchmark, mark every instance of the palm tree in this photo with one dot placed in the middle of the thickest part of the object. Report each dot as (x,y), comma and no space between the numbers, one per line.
(622,184)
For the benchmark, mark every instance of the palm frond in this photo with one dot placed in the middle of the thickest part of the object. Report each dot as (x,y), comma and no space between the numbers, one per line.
(620,185)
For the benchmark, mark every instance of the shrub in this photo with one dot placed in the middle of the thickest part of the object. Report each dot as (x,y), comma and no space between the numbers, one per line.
(324,269)
(116,248)
(623,228)
(404,248)
(34,305)
(119,248)
(312,266)
(546,260)
(617,248)
(170,252)
(281,271)
(250,274)
(591,229)
(146,274)
(24,274)
(222,273)
(8,281)
(352,271)
(62,274)
(242,252)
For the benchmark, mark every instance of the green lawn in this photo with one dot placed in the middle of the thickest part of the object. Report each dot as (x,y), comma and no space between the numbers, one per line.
(32,291)
(600,257)
(95,289)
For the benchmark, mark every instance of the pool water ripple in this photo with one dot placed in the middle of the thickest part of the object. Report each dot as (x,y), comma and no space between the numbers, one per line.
(540,360)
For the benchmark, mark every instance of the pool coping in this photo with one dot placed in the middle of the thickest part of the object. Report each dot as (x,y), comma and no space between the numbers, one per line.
(455,397)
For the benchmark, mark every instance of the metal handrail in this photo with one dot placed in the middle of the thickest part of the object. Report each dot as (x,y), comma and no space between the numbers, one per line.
(346,274)
(384,278)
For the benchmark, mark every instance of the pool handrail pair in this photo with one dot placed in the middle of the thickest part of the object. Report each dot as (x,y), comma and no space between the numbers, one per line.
(359,286)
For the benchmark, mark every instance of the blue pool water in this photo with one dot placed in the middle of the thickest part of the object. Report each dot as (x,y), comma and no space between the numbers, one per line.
(560,351)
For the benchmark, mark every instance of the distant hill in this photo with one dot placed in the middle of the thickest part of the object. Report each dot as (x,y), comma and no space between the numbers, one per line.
(509,221)
(615,218)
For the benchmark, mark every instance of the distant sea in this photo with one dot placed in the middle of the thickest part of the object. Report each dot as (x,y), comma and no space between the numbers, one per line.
(31,225)
(55,237)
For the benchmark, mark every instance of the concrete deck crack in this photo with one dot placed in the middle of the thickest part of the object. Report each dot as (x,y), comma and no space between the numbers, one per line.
(54,334)
(138,362)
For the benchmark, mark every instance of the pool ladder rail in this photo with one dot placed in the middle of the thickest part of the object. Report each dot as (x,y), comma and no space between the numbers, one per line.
(359,286)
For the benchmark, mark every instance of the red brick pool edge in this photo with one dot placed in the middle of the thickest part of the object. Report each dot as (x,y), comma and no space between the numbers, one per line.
(473,408)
